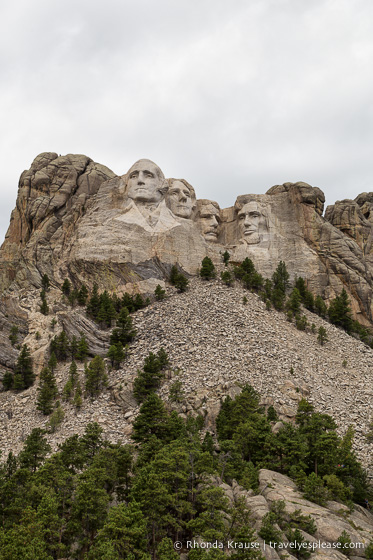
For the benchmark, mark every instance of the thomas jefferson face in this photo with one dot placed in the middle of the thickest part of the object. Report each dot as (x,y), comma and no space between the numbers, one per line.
(209,220)
(144,182)
(250,217)
(180,199)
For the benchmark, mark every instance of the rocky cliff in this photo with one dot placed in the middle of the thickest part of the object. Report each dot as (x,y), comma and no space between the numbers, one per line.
(75,218)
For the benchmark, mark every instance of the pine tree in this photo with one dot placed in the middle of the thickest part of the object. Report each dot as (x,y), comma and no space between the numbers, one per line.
(74,347)
(320,306)
(13,337)
(181,283)
(152,420)
(23,372)
(322,336)
(293,303)
(226,257)
(207,270)
(44,309)
(35,450)
(57,417)
(340,311)
(174,274)
(66,287)
(52,362)
(96,378)
(47,392)
(116,354)
(159,293)
(78,397)
(82,349)
(93,306)
(82,295)
(45,282)
(226,277)
(124,333)
(280,278)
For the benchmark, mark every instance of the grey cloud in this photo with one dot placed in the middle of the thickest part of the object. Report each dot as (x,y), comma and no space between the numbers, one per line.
(235,97)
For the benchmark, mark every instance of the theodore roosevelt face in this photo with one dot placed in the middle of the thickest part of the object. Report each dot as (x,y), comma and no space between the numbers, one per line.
(144,182)
(209,220)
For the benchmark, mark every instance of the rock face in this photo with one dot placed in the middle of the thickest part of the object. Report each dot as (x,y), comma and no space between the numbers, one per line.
(75,218)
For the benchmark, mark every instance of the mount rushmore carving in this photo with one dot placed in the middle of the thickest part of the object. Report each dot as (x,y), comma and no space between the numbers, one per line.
(76,219)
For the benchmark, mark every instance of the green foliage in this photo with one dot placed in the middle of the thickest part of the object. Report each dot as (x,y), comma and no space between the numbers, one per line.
(82,295)
(124,332)
(322,336)
(268,531)
(320,306)
(23,372)
(272,414)
(207,271)
(57,417)
(159,293)
(176,394)
(315,491)
(82,350)
(226,256)
(117,354)
(47,391)
(78,396)
(345,540)
(226,277)
(294,301)
(178,279)
(340,312)
(34,450)
(301,322)
(45,282)
(95,377)
(60,346)
(280,278)
(43,308)
(249,276)
(96,500)
(66,287)
(304,522)
(244,300)
(13,337)
(369,551)
(300,544)
(149,378)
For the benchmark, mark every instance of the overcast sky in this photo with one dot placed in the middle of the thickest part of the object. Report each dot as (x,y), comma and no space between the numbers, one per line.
(234,96)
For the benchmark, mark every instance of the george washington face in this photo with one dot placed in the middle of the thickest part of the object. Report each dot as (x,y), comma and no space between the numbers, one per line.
(145,182)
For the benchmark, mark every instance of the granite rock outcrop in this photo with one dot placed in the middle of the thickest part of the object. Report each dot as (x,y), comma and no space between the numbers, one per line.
(76,219)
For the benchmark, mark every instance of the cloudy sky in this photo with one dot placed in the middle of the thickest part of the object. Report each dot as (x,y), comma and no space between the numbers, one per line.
(232,96)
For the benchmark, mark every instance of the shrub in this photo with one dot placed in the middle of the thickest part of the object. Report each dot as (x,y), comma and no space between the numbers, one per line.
(207,271)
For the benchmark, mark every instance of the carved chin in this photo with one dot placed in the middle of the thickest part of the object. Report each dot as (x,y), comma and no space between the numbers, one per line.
(252,239)
(211,236)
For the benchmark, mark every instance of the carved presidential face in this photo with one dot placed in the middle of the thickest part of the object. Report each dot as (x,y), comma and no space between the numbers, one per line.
(209,220)
(145,182)
(181,199)
(250,221)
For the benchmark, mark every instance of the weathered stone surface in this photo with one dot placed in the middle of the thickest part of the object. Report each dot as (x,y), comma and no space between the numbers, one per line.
(75,218)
